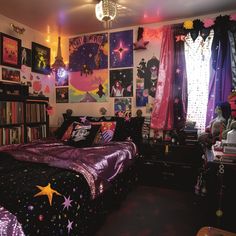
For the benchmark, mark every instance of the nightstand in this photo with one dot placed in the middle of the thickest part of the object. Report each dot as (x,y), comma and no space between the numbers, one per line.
(168,164)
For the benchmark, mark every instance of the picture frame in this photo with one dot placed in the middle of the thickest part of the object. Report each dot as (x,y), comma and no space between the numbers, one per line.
(40,59)
(11,75)
(10,51)
(26,57)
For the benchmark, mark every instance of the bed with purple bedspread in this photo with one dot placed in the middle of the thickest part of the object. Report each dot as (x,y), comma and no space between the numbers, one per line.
(46,187)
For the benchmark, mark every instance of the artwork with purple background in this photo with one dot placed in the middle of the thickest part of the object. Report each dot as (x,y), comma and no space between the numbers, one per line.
(121,49)
(88,52)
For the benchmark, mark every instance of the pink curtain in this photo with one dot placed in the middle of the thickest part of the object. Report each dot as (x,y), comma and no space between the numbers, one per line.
(162,114)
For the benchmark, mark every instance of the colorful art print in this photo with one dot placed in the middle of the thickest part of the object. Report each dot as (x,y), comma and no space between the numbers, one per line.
(90,88)
(40,59)
(141,97)
(62,95)
(121,83)
(10,51)
(10,75)
(121,49)
(26,58)
(88,52)
(122,105)
(149,73)
(61,78)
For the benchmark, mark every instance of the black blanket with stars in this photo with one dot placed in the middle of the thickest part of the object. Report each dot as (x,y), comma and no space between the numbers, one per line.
(46,200)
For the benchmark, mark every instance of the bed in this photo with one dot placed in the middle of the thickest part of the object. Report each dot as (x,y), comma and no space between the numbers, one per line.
(50,187)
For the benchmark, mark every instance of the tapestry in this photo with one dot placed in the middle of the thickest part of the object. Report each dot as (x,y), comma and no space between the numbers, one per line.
(90,88)
(121,49)
(121,83)
(88,53)
(88,63)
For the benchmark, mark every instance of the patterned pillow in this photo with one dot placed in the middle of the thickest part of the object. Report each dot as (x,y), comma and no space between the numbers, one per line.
(106,133)
(83,135)
(67,134)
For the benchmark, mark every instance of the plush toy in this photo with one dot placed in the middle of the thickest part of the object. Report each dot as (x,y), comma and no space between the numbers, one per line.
(140,44)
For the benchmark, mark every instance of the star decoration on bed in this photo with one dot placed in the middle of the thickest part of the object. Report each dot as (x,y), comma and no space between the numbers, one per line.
(47,190)
(67,203)
(69,226)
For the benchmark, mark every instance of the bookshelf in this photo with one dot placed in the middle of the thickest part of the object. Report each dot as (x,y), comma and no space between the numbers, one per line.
(23,118)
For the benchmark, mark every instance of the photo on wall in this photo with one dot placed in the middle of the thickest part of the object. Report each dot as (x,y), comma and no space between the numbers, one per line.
(122,107)
(141,97)
(62,95)
(11,75)
(121,49)
(26,58)
(121,83)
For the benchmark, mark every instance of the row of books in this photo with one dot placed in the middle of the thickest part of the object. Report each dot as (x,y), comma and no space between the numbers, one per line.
(38,132)
(35,113)
(11,112)
(11,135)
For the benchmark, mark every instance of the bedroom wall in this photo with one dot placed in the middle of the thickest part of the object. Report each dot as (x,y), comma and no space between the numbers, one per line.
(48,82)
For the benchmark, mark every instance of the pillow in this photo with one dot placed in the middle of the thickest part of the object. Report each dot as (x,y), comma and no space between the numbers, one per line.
(106,132)
(67,134)
(83,135)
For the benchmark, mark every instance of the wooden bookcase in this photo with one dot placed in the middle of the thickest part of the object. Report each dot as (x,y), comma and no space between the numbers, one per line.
(23,118)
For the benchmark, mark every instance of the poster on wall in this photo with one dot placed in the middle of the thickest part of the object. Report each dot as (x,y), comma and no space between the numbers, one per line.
(10,51)
(11,75)
(141,97)
(61,79)
(88,53)
(26,59)
(121,83)
(121,49)
(88,65)
(40,59)
(147,71)
(122,107)
(62,95)
(90,88)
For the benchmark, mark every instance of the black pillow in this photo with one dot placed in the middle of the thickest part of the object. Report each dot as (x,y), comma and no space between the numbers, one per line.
(83,135)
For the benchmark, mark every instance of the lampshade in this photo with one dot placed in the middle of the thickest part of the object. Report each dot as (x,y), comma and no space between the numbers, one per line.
(105,11)
(58,59)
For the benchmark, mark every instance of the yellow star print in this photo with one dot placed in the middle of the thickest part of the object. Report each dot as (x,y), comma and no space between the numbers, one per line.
(47,190)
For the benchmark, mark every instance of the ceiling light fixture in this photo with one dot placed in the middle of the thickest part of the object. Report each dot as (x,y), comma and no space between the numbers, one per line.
(106,12)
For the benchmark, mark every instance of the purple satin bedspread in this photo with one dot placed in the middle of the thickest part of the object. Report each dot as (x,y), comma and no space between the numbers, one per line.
(99,165)
(9,226)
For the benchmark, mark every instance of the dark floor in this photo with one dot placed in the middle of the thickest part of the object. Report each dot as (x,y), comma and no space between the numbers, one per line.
(156,211)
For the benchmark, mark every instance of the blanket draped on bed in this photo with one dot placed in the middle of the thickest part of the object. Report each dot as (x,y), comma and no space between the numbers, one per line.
(47,185)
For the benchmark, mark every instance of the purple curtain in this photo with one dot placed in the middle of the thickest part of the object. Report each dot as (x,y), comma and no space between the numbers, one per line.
(220,84)
(162,114)
(180,78)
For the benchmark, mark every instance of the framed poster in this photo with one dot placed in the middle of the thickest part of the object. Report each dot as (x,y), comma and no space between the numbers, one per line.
(11,75)
(40,59)
(10,51)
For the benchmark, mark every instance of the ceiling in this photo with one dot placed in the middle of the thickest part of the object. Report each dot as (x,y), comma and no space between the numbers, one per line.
(72,17)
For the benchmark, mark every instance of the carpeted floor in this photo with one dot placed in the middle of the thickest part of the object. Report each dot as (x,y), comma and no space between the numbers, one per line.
(155,211)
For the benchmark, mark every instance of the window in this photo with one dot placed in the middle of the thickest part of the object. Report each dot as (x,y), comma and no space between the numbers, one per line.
(197,55)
